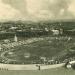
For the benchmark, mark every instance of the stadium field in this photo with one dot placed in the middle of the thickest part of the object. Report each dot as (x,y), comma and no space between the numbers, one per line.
(32,49)
(29,53)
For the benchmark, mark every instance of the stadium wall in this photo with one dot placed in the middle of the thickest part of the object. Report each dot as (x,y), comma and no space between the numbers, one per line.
(28,67)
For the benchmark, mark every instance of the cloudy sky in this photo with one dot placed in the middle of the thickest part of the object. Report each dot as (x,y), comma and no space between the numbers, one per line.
(37,10)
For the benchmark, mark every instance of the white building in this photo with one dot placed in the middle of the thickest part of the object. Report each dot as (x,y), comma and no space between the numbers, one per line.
(0,47)
(46,29)
(13,28)
(55,32)
(61,31)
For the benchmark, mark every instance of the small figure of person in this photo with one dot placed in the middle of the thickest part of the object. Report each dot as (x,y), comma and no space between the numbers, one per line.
(38,67)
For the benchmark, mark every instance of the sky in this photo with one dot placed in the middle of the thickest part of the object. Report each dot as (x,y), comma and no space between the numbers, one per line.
(37,10)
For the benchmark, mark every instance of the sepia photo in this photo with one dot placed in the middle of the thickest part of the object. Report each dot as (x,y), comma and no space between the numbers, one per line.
(37,37)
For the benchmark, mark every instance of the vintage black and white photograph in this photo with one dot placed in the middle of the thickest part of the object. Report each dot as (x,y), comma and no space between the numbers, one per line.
(37,37)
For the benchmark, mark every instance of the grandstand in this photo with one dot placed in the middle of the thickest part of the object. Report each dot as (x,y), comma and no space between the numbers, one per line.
(13,51)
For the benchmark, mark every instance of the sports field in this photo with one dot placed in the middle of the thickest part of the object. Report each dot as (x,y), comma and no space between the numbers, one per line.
(29,51)
(32,51)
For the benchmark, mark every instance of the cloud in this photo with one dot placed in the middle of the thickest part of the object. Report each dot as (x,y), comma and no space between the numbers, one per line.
(49,9)
(7,12)
(17,4)
(72,7)
(40,9)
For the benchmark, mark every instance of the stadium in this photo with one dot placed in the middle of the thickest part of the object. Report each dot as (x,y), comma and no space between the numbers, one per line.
(42,45)
(37,37)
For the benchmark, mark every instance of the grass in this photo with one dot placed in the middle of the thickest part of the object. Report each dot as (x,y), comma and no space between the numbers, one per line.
(40,48)
(49,47)
(58,71)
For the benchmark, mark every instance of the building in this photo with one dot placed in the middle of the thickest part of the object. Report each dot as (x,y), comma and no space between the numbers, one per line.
(55,32)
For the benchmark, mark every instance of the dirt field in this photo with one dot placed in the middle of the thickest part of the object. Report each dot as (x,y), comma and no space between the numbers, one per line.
(57,71)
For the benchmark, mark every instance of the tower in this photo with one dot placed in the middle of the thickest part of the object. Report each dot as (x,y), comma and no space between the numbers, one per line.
(15,38)
(0,47)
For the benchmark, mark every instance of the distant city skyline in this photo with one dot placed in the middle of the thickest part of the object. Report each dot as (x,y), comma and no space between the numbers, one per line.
(37,10)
